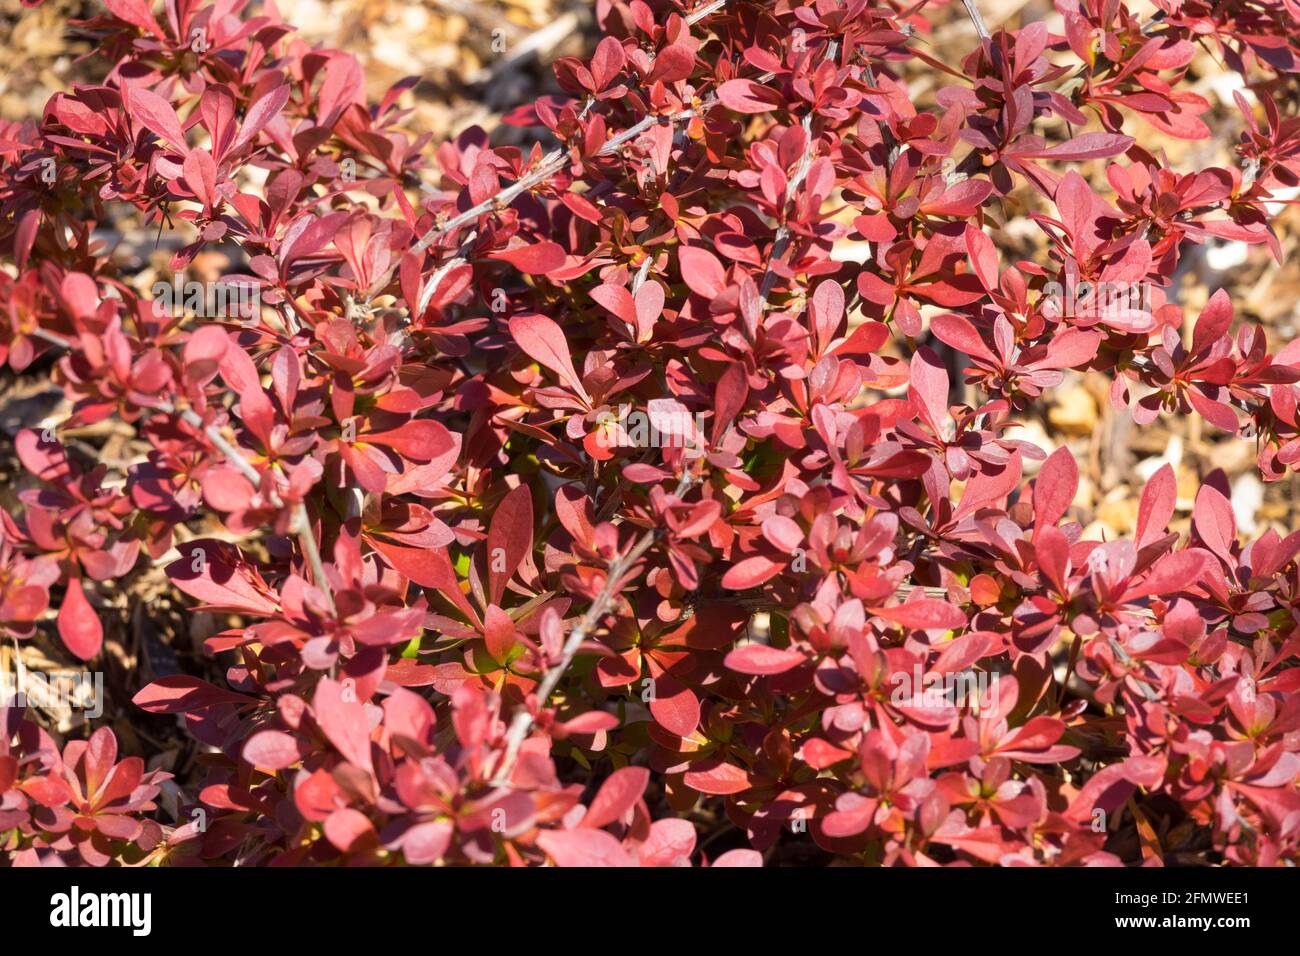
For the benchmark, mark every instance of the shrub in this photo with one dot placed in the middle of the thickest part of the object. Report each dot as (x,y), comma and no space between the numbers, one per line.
(478,614)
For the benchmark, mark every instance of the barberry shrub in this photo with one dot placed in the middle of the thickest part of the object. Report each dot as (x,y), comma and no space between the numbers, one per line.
(556,501)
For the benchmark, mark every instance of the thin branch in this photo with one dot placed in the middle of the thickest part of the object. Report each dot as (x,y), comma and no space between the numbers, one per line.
(551,164)
(523,719)
(302,523)
(782,239)
(51,337)
(301,520)
(233,454)
(978,20)
(435,280)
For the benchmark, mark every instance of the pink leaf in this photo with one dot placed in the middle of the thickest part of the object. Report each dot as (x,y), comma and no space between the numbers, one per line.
(616,796)
(342,719)
(701,271)
(156,115)
(543,341)
(349,830)
(762,660)
(739,857)
(930,386)
(536,259)
(923,614)
(746,96)
(79,625)
(583,848)
(272,749)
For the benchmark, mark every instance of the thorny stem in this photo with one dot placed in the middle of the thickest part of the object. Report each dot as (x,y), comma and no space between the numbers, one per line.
(522,722)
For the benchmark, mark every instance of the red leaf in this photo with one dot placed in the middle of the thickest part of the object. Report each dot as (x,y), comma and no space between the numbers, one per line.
(923,614)
(80,293)
(1156,506)
(343,722)
(989,487)
(957,332)
(182,694)
(219,584)
(500,632)
(509,539)
(701,271)
(156,115)
(671,840)
(1055,487)
(260,114)
(930,386)
(672,64)
(983,255)
(583,848)
(607,62)
(536,259)
(618,300)
(135,12)
(717,777)
(782,533)
(418,440)
(763,660)
(1214,522)
(543,341)
(751,573)
(1084,146)
(616,796)
(826,311)
(200,174)
(674,706)
(79,625)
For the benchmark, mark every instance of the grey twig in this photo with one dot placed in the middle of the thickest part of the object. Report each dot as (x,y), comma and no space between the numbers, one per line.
(302,524)
(551,164)
(978,20)
(522,722)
